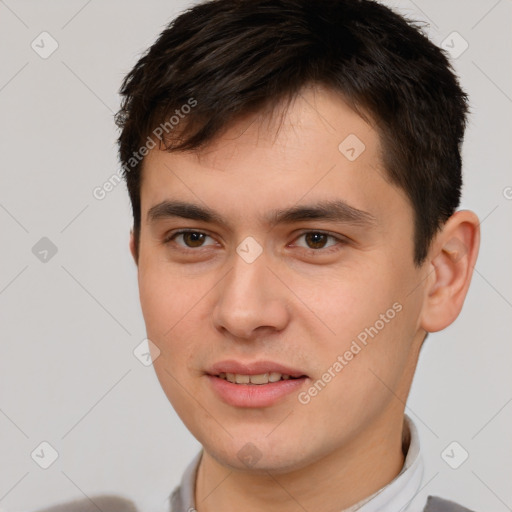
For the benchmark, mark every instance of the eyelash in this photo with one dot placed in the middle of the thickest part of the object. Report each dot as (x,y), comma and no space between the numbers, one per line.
(341,242)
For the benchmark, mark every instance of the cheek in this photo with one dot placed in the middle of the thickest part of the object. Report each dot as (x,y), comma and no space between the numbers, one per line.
(161,309)
(169,325)
(174,313)
(352,303)
(372,325)
(157,306)
(163,301)
(368,376)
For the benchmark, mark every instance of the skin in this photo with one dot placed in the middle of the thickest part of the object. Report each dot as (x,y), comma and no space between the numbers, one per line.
(302,308)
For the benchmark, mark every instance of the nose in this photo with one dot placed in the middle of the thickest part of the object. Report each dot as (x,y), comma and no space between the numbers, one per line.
(251,300)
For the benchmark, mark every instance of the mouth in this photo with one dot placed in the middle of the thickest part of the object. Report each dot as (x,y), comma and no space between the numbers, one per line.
(255,384)
(257,380)
(255,372)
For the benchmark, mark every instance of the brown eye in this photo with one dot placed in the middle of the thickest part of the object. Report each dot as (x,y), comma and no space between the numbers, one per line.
(191,239)
(316,241)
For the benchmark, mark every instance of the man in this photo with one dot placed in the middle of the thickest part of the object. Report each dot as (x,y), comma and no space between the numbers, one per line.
(294,170)
(296,239)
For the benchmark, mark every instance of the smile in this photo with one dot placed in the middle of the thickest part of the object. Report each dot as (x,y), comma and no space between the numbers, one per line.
(262,378)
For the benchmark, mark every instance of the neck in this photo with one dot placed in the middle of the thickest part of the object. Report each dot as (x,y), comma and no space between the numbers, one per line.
(335,482)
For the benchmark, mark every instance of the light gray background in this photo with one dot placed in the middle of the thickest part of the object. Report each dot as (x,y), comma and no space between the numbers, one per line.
(69,326)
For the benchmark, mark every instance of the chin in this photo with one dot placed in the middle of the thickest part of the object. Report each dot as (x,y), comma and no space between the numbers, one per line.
(258,454)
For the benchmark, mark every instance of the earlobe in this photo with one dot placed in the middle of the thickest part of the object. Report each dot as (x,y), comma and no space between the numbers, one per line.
(453,257)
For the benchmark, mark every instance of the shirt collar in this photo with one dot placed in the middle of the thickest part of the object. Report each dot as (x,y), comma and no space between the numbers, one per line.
(393,497)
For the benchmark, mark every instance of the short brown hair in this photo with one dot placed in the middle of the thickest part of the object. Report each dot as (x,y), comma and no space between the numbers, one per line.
(234,57)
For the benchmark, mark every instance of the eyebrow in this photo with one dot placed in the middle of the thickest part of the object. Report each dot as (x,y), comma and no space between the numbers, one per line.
(334,210)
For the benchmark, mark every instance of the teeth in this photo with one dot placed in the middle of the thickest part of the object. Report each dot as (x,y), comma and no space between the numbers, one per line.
(259,379)
(262,378)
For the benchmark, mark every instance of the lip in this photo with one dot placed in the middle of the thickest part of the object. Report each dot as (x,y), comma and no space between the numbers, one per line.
(253,368)
(254,395)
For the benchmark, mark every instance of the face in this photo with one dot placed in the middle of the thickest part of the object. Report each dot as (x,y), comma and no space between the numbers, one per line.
(268,283)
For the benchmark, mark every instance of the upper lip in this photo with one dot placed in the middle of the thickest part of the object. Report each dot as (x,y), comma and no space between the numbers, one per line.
(253,368)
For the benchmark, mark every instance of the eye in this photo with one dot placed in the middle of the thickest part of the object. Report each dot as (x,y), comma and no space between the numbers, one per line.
(316,241)
(192,239)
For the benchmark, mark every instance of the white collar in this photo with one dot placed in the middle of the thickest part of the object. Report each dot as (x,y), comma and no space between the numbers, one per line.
(397,496)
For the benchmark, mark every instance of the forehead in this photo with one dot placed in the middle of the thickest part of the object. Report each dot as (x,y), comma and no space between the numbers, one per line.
(318,149)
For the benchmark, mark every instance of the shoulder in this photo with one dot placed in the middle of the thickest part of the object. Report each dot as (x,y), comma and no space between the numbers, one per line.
(436,504)
(107,503)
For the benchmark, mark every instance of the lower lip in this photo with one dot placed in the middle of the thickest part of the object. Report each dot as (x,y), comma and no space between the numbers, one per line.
(254,395)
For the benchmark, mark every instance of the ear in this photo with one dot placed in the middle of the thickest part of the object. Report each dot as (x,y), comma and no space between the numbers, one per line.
(133,248)
(452,258)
